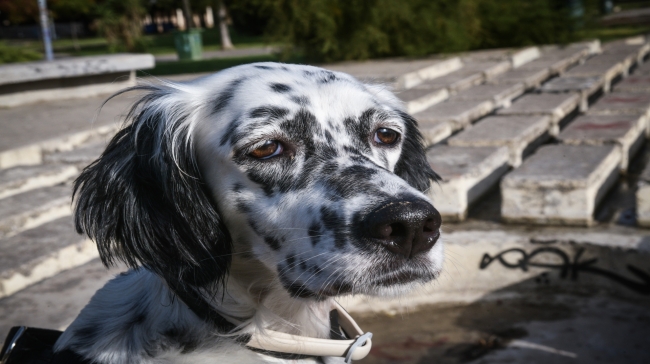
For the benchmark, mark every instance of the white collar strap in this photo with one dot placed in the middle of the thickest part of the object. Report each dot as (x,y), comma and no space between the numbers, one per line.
(354,349)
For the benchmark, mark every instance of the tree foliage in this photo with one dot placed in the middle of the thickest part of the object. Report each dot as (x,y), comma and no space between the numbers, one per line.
(120,22)
(331,30)
(26,11)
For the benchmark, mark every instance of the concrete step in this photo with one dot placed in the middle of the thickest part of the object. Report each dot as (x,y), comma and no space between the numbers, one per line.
(419,99)
(643,69)
(625,131)
(523,56)
(489,69)
(588,87)
(456,81)
(55,302)
(635,52)
(42,252)
(500,95)
(626,60)
(80,156)
(599,66)
(520,134)
(531,78)
(618,103)
(634,83)
(32,208)
(24,178)
(565,57)
(560,184)
(401,74)
(25,136)
(643,198)
(467,173)
(440,120)
(556,106)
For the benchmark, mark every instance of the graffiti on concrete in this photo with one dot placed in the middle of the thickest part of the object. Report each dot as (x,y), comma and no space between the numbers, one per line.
(568,267)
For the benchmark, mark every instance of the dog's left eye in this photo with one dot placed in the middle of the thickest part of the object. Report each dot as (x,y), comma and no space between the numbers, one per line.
(269,149)
(386,136)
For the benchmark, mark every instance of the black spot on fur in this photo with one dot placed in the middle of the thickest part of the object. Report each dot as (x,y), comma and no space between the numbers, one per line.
(237,187)
(352,181)
(329,137)
(335,222)
(271,112)
(179,339)
(300,100)
(228,134)
(291,261)
(298,290)
(263,67)
(314,233)
(303,265)
(243,207)
(360,129)
(327,77)
(226,95)
(272,242)
(280,88)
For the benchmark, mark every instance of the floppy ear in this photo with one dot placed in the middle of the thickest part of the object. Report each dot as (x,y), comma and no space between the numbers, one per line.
(144,202)
(412,165)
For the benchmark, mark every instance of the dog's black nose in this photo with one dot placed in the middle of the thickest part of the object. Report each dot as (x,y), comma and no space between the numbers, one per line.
(404,226)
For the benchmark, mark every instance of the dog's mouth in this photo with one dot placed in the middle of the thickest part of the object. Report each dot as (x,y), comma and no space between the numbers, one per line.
(404,277)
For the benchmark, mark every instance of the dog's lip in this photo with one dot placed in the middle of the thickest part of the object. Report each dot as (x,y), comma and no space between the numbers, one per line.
(404,276)
(336,289)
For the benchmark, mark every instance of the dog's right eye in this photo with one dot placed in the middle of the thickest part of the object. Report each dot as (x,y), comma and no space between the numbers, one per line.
(269,149)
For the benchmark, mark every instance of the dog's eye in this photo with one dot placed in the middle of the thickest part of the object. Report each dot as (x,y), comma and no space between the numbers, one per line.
(269,149)
(386,136)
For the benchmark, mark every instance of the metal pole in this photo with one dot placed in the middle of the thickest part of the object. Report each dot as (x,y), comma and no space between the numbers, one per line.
(45,29)
(188,14)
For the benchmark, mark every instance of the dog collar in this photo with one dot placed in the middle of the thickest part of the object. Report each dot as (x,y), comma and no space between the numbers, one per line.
(356,347)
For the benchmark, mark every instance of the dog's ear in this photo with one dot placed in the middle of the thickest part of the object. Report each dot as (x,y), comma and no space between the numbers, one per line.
(412,165)
(144,202)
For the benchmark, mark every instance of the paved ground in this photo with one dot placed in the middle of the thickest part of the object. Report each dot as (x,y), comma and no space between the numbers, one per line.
(233,53)
(548,328)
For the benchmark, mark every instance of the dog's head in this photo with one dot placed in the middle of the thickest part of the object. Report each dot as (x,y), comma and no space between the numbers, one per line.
(310,172)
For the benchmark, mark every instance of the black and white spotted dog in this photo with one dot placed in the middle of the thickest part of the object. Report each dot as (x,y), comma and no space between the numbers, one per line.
(262,191)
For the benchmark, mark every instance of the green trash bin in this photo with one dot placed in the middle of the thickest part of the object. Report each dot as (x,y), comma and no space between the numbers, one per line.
(189,44)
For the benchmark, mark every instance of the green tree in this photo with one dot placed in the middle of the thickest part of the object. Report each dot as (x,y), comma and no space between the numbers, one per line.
(120,22)
(332,30)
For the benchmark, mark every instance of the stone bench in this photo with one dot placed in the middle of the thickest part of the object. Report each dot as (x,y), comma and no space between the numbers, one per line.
(70,78)
(466,173)
(560,184)
(625,131)
(557,106)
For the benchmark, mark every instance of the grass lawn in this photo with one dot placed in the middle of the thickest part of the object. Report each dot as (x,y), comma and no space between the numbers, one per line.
(156,44)
(206,65)
(607,34)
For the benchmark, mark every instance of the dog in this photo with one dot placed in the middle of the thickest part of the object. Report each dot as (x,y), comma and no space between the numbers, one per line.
(244,202)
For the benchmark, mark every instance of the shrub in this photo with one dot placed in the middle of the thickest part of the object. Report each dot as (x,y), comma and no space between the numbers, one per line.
(10,54)
(120,22)
(332,30)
